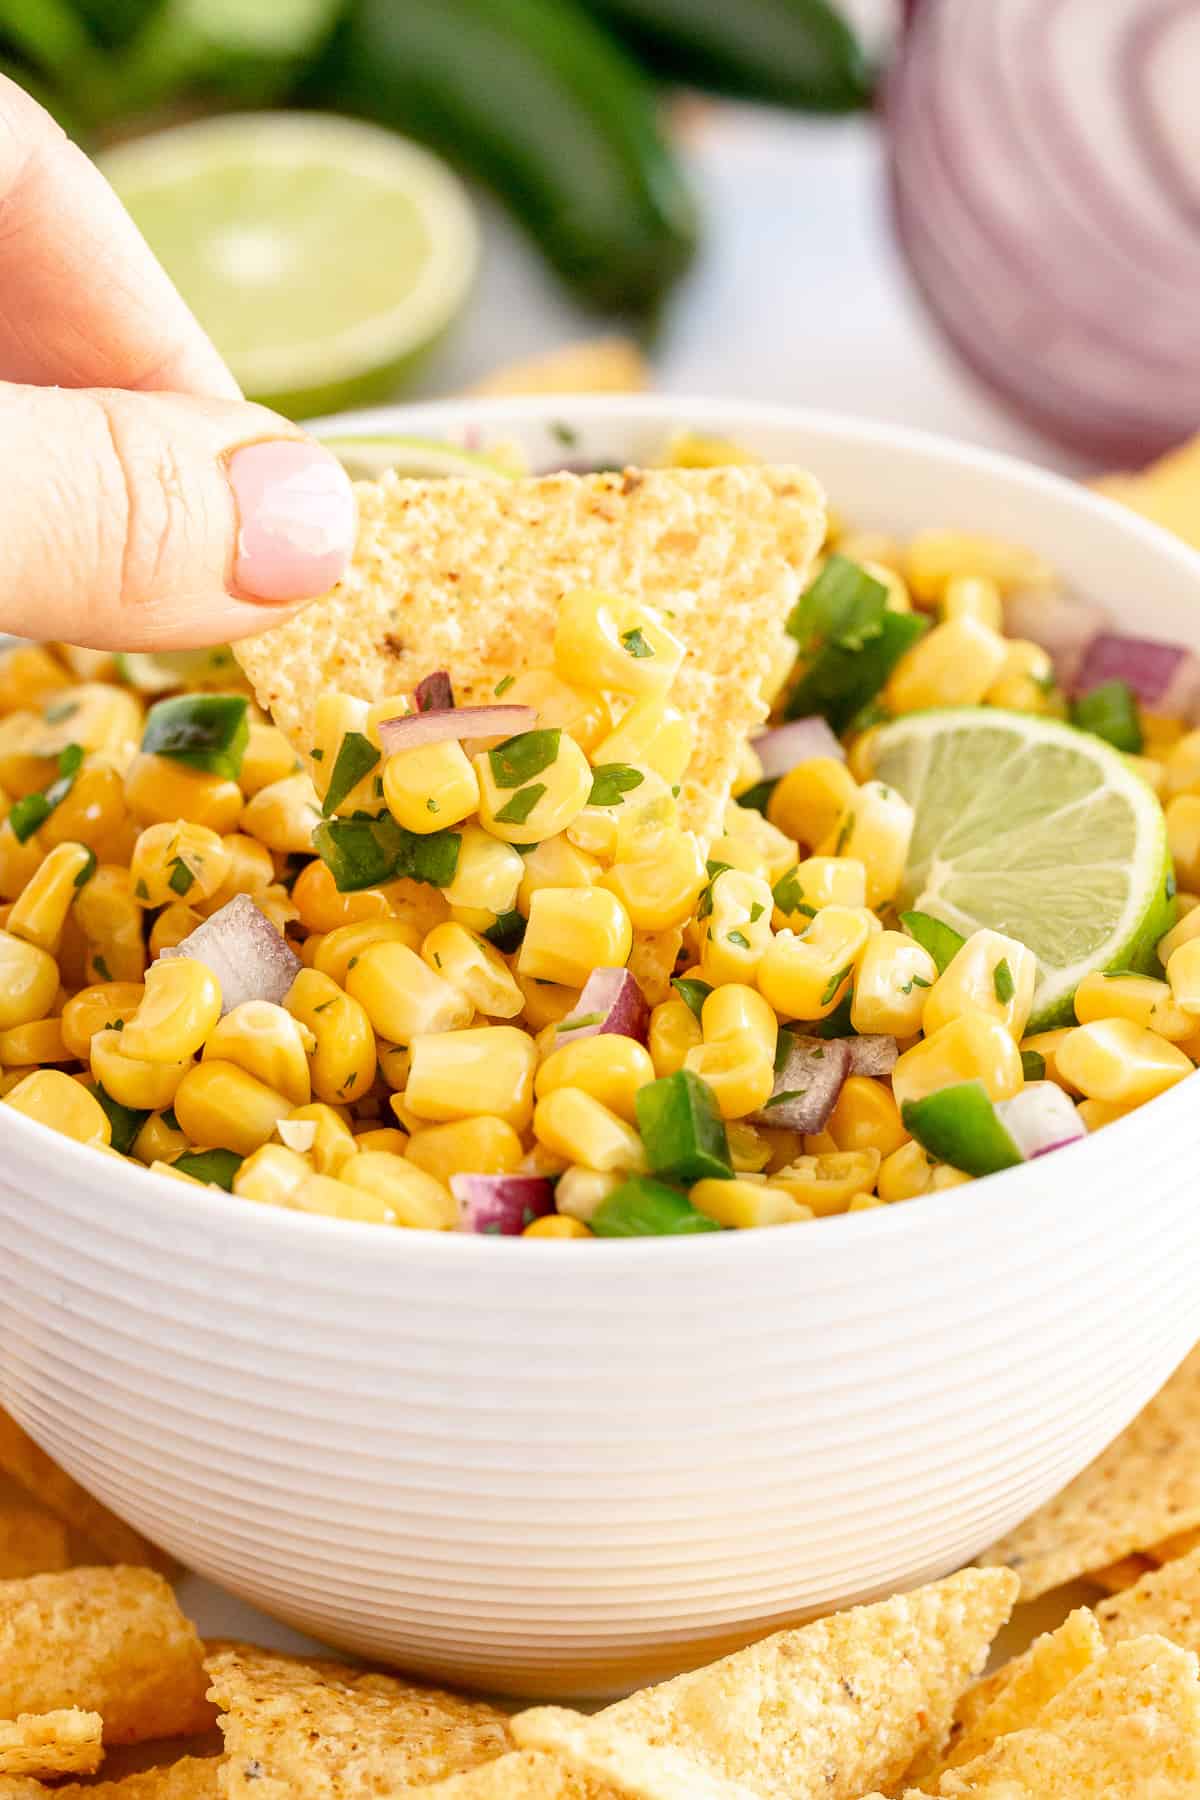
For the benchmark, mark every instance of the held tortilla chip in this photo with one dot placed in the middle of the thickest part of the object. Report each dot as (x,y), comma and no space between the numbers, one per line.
(112,1640)
(298,1730)
(1143,1488)
(46,1745)
(820,1713)
(40,1475)
(191,1778)
(468,576)
(31,1542)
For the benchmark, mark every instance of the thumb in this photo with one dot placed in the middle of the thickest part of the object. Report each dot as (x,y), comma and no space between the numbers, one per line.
(145,521)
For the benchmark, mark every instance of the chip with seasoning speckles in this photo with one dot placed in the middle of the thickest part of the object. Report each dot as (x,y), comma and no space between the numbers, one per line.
(47,1745)
(521,1775)
(112,1540)
(187,1778)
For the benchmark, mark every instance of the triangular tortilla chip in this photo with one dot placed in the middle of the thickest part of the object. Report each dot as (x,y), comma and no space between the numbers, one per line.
(41,1476)
(190,1778)
(47,1745)
(1168,492)
(1143,1488)
(297,1730)
(31,1542)
(820,1713)
(521,1775)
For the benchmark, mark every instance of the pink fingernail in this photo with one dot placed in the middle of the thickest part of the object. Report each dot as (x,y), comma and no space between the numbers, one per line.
(296,519)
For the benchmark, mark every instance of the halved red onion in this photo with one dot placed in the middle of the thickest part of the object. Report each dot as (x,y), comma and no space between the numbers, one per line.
(1164,677)
(501,1205)
(1063,625)
(414,729)
(250,959)
(807,1087)
(611,1001)
(1040,1118)
(435,693)
(781,749)
(875,1053)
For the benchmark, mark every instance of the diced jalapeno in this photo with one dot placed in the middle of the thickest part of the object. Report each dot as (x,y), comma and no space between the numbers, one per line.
(682,1130)
(641,1207)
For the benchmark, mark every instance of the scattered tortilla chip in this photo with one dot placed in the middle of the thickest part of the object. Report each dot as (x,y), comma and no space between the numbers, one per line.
(1143,1488)
(298,1730)
(467,576)
(1169,1549)
(823,1712)
(520,1775)
(191,1778)
(112,1640)
(40,1475)
(31,1542)
(46,1745)
(1115,1576)
(606,365)
(1168,492)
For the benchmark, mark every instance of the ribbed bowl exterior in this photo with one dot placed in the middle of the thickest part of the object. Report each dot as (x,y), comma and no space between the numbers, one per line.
(553,1468)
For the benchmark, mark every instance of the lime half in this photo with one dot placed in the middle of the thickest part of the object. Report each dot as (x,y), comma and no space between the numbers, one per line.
(322,255)
(1037,830)
(366,458)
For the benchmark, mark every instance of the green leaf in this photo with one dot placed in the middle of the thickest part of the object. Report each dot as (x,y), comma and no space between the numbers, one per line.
(31,811)
(1110,712)
(634,644)
(125,1121)
(1033,1065)
(181,879)
(204,731)
(941,940)
(517,810)
(835,982)
(1002,981)
(507,932)
(216,1166)
(520,758)
(611,782)
(691,991)
(356,757)
(503,685)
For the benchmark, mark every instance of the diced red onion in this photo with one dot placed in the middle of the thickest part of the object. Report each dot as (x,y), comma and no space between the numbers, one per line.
(250,959)
(611,1001)
(875,1053)
(1040,1118)
(807,1087)
(1043,162)
(781,749)
(1063,625)
(1164,677)
(414,729)
(501,1205)
(435,693)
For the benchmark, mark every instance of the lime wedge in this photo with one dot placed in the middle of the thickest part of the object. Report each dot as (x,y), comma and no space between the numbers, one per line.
(367,458)
(323,256)
(1037,830)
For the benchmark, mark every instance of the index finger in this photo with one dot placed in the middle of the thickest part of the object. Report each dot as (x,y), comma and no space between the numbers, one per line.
(83,301)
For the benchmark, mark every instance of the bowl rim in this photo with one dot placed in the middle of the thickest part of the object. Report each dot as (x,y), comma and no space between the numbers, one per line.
(77,1163)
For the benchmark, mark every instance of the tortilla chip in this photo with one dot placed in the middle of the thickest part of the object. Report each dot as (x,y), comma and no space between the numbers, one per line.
(1143,1488)
(520,1775)
(606,365)
(1113,1577)
(191,1778)
(45,1745)
(1169,1549)
(467,576)
(1168,492)
(31,1542)
(298,1730)
(823,1712)
(110,1537)
(112,1640)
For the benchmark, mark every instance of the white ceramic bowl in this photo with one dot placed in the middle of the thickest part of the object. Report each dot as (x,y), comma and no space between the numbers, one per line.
(560,1468)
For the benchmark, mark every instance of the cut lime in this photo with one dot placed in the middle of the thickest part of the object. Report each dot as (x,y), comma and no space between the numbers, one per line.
(366,458)
(1036,830)
(163,672)
(323,256)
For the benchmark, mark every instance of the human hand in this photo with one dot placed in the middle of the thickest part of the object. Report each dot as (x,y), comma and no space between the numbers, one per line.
(144,505)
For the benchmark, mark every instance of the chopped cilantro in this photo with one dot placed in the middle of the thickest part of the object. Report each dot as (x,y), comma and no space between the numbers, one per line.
(756,912)
(507,932)
(1002,981)
(564,434)
(141,891)
(611,782)
(364,852)
(520,758)
(58,710)
(356,758)
(503,685)
(739,938)
(431,805)
(518,809)
(843,836)
(692,992)
(834,983)
(32,810)
(181,879)
(1033,1065)
(634,644)
(101,967)
(579,1021)
(317,755)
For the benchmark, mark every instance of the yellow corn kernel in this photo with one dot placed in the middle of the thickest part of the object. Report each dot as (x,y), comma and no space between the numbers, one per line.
(1025,682)
(805,977)
(674,1030)
(808,801)
(541,805)
(333,1198)
(776,850)
(609,1067)
(219,1104)
(893,583)
(1138,997)
(875,830)
(144,1086)
(581,712)
(895,976)
(40,910)
(580,1191)
(415,1199)
(458,1074)
(737,927)
(1151,772)
(479,1146)
(267,1042)
(268,758)
(860,757)
(972,597)
(573,1125)
(171,926)
(158,1141)
(1096,1113)
(572,931)
(643,811)
(92,813)
(54,1099)
(973,1047)
(741,1205)
(554,863)
(864,1203)
(819,1143)
(488,873)
(817,882)
(383,1137)
(1183,837)
(653,734)
(739,1069)
(1116,1060)
(1183,931)
(473,966)
(934,557)
(556,1225)
(11,1078)
(178,861)
(1183,974)
(28,981)
(284,814)
(904,1174)
(943,1176)
(180,1006)
(1160,732)
(604,641)
(173,1174)
(159,790)
(272,1175)
(749,1150)
(93,1009)
(251,871)
(29,676)
(322,908)
(866,1117)
(975,981)
(27,1046)
(546,1003)
(953,665)
(1047,1045)
(740,853)
(735,1008)
(661,891)
(828,1183)
(394,1063)
(430,787)
(401,996)
(332,1141)
(19,862)
(1181,764)
(340,949)
(277,906)
(343,1065)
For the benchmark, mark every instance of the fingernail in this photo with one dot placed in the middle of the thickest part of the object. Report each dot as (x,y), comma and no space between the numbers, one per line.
(296,519)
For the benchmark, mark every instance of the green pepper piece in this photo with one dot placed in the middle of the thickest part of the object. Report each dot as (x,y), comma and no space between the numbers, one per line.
(363,852)
(1110,712)
(641,1207)
(842,681)
(682,1130)
(205,731)
(217,1166)
(960,1126)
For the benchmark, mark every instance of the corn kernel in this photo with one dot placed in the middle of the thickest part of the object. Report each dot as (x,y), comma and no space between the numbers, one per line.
(268,1043)
(739,1070)
(268,757)
(905,1173)
(1186,928)
(1116,1060)
(973,1047)
(556,1225)
(1183,974)
(1182,766)
(39,1042)
(736,1008)
(218,1103)
(430,787)
(539,807)
(272,1175)
(749,1150)
(159,790)
(458,1074)
(19,862)
(817,882)
(580,1191)
(554,863)
(488,873)
(332,1198)
(609,1066)
(828,1183)
(394,1063)
(475,968)
(284,814)
(340,948)
(53,1099)
(415,1199)
(806,977)
(28,981)
(401,996)
(573,1125)
(158,1140)
(943,1176)
(171,926)
(866,1117)
(895,975)
(343,1065)
(653,734)
(581,712)
(953,665)
(91,1010)
(674,1030)
(1047,1045)
(251,871)
(972,597)
(660,891)
(1138,997)
(936,556)
(604,641)
(322,908)
(332,1143)
(572,931)
(1096,1113)
(737,927)
(180,1006)
(739,1205)
(990,974)
(29,676)
(875,830)
(776,851)
(546,1003)
(92,813)
(479,1146)
(144,1086)
(807,803)
(819,1143)
(1183,837)
(178,861)
(336,716)
(40,910)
